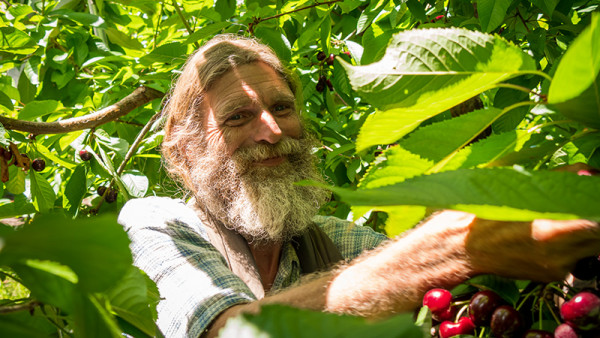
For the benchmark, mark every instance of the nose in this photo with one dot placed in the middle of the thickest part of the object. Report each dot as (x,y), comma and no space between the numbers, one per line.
(267,129)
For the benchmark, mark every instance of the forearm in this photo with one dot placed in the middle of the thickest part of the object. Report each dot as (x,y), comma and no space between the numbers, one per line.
(387,280)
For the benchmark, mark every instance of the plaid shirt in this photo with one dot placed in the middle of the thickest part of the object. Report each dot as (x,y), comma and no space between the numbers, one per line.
(170,244)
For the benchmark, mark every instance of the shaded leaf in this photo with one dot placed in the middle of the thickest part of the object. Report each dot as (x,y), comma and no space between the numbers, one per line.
(96,249)
(504,287)
(135,182)
(492,13)
(547,6)
(16,181)
(22,324)
(134,302)
(575,90)
(284,321)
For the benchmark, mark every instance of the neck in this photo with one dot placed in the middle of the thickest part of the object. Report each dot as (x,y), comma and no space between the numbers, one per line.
(267,262)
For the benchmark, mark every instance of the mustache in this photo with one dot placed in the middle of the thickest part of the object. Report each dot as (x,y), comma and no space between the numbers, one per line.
(287,146)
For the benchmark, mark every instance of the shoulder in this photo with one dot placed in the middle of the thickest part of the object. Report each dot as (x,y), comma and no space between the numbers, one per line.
(159,213)
(350,238)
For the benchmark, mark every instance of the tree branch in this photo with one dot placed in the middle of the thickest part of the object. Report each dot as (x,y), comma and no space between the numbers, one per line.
(259,20)
(137,98)
(20,307)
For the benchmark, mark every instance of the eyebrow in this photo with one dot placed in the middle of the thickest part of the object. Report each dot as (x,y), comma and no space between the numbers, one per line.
(244,100)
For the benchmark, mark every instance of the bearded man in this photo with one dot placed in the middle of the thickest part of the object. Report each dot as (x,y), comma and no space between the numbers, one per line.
(234,139)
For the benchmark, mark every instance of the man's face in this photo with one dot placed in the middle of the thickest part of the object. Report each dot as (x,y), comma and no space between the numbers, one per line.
(249,105)
(253,150)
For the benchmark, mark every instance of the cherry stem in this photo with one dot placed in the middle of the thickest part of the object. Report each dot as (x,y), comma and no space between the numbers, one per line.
(551,312)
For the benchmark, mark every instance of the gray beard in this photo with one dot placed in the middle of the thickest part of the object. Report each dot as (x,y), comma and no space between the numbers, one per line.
(260,203)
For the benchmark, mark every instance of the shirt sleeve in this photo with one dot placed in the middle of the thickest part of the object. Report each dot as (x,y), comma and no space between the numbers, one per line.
(350,239)
(169,243)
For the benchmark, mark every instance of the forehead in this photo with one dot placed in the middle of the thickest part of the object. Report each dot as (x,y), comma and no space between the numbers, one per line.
(255,82)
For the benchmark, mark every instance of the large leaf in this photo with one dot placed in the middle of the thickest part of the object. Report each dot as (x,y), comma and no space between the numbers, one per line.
(96,249)
(134,299)
(547,6)
(22,324)
(438,140)
(75,189)
(501,194)
(575,90)
(425,72)
(41,192)
(284,321)
(491,13)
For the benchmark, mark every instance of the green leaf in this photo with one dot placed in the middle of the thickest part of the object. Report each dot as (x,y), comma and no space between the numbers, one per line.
(135,302)
(284,321)
(65,162)
(394,166)
(276,40)
(121,39)
(500,194)
(575,90)
(504,287)
(23,324)
(488,150)
(492,13)
(35,109)
(20,206)
(15,41)
(117,144)
(16,181)
(225,7)
(6,101)
(41,192)
(417,10)
(96,249)
(207,31)
(92,319)
(135,182)
(401,218)
(174,52)
(425,72)
(47,286)
(547,6)
(85,19)
(75,189)
(438,140)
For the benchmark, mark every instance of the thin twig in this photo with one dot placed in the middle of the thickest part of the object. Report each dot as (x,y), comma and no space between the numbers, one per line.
(522,20)
(523,89)
(137,98)
(136,143)
(259,20)
(185,23)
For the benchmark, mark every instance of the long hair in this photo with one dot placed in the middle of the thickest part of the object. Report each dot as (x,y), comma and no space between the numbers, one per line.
(184,130)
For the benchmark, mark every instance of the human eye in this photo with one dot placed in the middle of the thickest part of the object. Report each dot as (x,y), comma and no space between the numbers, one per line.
(283,108)
(237,119)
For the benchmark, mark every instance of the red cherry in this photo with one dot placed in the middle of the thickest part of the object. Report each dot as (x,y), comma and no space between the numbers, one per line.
(587,268)
(482,305)
(437,300)
(565,330)
(450,329)
(448,314)
(321,56)
(85,155)
(506,322)
(330,59)
(583,311)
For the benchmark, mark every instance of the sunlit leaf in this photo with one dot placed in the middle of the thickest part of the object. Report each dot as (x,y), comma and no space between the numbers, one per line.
(492,13)
(41,192)
(501,194)
(425,72)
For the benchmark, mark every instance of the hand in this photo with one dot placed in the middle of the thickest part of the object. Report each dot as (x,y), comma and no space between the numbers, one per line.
(542,250)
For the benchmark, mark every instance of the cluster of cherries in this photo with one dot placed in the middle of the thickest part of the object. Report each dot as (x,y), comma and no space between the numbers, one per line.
(580,315)
(324,82)
(110,194)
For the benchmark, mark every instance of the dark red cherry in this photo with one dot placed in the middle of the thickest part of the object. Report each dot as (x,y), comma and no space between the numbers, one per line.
(587,268)
(506,322)
(482,305)
(450,329)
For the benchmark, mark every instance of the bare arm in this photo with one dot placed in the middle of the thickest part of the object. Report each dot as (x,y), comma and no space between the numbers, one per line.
(443,252)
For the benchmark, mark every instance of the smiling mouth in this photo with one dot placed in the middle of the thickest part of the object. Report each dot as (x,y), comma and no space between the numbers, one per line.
(271,162)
